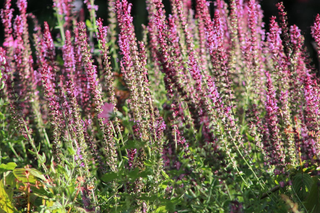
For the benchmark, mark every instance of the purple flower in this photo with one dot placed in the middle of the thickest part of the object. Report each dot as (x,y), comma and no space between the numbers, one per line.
(315,29)
(131,155)
(106,113)
(78,156)
(2,56)
(22,5)
(13,43)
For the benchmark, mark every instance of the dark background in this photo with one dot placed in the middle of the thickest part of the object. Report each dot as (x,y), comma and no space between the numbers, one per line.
(300,12)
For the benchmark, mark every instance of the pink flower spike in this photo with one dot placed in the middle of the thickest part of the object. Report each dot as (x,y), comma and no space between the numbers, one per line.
(107,109)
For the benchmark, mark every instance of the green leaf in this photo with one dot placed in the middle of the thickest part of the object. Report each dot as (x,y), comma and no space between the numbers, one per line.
(2,117)
(5,201)
(171,204)
(250,138)
(37,174)
(56,206)
(42,192)
(125,109)
(88,23)
(145,173)
(7,167)
(161,209)
(163,186)
(313,201)
(28,175)
(42,158)
(165,174)
(71,151)
(134,174)
(109,176)
(301,183)
(133,144)
(10,183)
(148,163)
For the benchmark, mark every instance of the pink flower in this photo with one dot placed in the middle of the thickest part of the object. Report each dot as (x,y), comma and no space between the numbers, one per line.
(107,109)
(12,43)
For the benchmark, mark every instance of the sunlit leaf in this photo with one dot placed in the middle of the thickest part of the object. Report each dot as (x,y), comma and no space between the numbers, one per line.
(7,167)
(5,202)
(161,209)
(28,175)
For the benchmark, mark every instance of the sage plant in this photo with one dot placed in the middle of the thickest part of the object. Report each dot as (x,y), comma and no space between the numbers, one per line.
(204,114)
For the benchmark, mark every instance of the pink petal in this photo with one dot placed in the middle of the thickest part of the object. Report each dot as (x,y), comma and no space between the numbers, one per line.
(107,109)
(8,42)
